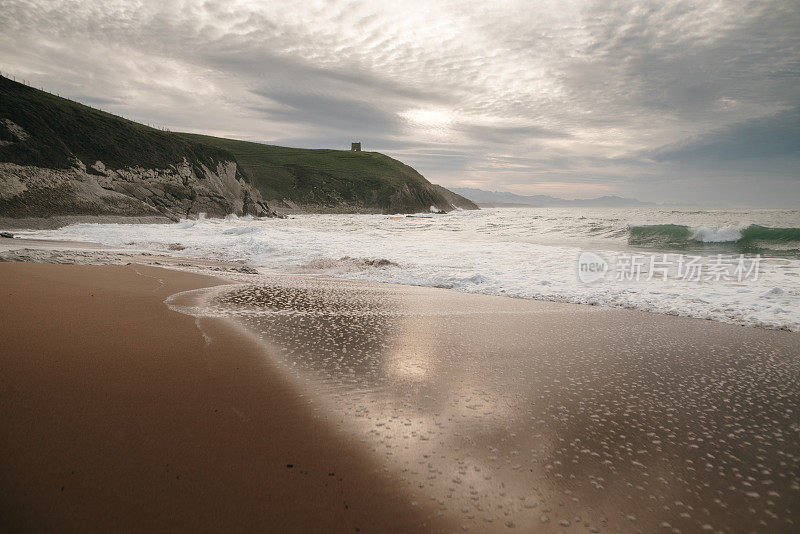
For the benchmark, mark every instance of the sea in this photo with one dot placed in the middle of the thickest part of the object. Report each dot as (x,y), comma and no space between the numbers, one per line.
(737,266)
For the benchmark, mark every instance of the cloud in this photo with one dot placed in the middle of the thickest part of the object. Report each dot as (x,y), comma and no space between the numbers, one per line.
(776,136)
(320,110)
(483,133)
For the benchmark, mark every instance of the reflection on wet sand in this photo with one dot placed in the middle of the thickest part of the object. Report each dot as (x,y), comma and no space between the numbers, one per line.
(509,413)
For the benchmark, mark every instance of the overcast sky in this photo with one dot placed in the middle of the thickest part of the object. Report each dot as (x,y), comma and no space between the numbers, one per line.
(664,101)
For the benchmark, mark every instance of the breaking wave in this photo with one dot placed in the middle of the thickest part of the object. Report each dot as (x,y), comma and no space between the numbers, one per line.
(744,237)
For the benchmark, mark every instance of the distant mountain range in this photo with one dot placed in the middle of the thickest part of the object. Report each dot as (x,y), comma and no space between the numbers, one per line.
(505,199)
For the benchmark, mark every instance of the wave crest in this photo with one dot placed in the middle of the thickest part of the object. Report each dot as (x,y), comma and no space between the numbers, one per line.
(678,235)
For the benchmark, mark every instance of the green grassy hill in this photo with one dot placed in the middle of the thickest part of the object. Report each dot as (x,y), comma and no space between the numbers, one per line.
(60,130)
(334,180)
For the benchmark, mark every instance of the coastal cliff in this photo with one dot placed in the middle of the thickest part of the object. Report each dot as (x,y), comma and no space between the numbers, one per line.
(335,181)
(61,158)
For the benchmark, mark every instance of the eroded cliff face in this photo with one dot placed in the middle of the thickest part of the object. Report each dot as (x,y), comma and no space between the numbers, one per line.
(178,191)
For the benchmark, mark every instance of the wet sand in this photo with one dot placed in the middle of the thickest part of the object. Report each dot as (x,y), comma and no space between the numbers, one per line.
(117,415)
(543,416)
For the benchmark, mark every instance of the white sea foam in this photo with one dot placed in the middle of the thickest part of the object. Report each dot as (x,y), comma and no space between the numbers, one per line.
(712,234)
(517,253)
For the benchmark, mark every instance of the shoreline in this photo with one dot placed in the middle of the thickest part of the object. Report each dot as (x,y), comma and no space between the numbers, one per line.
(92,253)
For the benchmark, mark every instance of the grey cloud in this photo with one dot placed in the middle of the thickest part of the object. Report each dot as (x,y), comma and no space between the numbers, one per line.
(328,111)
(245,59)
(508,134)
(776,136)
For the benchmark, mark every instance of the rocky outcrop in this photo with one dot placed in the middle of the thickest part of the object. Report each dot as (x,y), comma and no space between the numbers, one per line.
(178,191)
(456,200)
(414,198)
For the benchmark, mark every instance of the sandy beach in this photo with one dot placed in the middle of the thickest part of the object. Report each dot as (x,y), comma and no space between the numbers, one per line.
(398,409)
